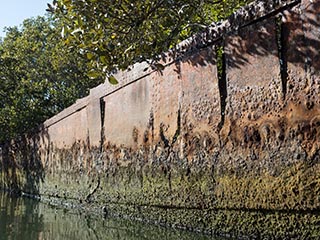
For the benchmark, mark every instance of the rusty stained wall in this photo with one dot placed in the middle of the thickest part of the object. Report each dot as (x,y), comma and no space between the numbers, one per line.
(301,48)
(126,114)
(70,130)
(152,108)
(253,77)
(230,151)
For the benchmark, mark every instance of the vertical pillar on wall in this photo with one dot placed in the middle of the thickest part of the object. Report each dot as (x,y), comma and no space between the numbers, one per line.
(311,24)
(293,43)
(94,122)
(253,79)
(201,108)
(301,28)
(166,89)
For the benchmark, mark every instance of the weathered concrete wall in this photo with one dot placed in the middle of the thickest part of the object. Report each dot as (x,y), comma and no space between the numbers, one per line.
(230,151)
(128,110)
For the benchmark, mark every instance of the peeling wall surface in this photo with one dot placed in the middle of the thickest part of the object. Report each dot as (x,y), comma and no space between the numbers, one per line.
(226,143)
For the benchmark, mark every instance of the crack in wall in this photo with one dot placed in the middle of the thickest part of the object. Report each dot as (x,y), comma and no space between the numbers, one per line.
(281,36)
(102,115)
(178,131)
(222,82)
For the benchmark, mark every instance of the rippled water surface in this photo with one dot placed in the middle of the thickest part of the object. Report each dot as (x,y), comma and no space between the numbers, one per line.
(22,218)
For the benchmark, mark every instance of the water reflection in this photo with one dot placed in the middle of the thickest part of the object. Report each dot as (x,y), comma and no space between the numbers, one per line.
(22,218)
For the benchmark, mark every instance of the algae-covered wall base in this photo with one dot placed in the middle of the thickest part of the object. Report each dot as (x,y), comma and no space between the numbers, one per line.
(279,204)
(225,139)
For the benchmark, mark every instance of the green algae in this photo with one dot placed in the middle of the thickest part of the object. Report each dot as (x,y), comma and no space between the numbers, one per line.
(263,206)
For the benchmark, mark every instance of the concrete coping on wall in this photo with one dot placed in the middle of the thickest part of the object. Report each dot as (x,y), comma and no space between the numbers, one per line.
(245,16)
(77,106)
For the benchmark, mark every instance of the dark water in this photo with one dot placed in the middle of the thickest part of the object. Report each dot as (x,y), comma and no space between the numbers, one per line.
(27,219)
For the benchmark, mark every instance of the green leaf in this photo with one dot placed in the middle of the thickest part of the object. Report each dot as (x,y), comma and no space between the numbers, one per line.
(112,80)
(104,60)
(93,74)
(90,55)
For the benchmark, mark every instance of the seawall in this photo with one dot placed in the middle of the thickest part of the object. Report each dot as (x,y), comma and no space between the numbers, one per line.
(226,144)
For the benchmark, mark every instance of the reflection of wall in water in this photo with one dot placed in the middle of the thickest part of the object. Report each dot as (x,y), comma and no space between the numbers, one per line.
(23,219)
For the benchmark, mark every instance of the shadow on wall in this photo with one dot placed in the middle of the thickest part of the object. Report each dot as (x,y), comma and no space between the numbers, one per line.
(294,32)
(296,35)
(21,168)
(278,49)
